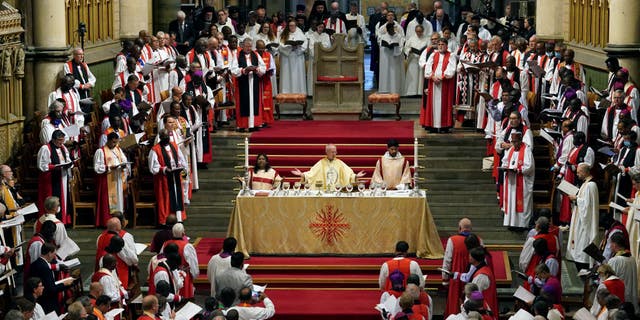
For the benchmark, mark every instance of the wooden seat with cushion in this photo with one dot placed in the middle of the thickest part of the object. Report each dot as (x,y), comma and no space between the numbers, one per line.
(293,98)
(390,98)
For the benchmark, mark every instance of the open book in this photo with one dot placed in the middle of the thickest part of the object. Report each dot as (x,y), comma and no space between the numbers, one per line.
(568,188)
(524,295)
(188,311)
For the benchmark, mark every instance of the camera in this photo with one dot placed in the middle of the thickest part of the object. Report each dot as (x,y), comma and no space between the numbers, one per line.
(82,29)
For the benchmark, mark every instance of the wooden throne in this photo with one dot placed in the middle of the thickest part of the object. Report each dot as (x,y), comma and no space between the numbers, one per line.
(339,83)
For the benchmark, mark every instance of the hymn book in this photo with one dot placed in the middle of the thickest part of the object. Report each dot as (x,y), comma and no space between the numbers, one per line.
(568,188)
(63,280)
(67,248)
(583,314)
(32,208)
(188,311)
(524,295)
(594,252)
(113,313)
(294,42)
(535,69)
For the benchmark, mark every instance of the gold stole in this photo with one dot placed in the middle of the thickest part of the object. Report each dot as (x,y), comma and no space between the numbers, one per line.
(110,160)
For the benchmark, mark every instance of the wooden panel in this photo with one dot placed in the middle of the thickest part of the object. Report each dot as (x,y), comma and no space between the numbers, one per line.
(97,16)
(589,22)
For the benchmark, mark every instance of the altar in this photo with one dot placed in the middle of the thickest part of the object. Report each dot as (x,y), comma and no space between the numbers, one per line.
(330,224)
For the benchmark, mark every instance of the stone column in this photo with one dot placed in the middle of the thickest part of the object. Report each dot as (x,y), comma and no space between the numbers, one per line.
(163,12)
(624,35)
(548,26)
(134,16)
(49,47)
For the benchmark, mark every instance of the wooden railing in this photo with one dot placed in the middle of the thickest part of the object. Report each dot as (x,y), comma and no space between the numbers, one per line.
(589,22)
(96,14)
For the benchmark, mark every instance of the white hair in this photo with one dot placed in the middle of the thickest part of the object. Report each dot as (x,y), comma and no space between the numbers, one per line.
(329,146)
(178,230)
(160,34)
(181,14)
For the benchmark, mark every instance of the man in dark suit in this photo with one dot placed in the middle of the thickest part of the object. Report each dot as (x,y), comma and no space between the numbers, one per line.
(439,20)
(41,268)
(184,32)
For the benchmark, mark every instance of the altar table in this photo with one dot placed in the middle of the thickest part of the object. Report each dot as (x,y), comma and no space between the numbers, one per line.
(334,225)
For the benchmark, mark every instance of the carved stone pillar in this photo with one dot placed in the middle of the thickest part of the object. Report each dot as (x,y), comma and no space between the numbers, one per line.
(548,26)
(49,49)
(134,16)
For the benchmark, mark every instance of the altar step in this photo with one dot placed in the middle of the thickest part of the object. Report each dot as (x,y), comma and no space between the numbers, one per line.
(457,187)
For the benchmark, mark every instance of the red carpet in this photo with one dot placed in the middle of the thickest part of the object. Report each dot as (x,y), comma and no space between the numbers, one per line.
(305,287)
(335,132)
(300,144)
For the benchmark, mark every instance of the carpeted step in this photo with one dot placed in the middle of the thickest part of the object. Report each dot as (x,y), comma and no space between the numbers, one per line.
(460,174)
(336,132)
(319,149)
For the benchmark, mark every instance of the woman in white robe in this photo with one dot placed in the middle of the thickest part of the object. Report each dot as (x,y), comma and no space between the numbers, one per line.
(315,36)
(262,176)
(414,80)
(292,67)
(391,61)
(270,40)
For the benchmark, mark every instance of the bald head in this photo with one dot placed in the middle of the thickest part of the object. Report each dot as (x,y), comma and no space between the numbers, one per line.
(149,303)
(464,225)
(331,151)
(113,225)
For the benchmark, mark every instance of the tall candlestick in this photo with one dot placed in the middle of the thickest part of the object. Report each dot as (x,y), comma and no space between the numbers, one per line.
(415,152)
(246,152)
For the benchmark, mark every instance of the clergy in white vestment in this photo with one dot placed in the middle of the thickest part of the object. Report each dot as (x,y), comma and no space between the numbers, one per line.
(633,222)
(391,61)
(584,219)
(175,129)
(54,163)
(354,18)
(112,169)
(519,175)
(329,171)
(220,262)
(624,265)
(293,45)
(392,168)
(419,20)
(317,36)
(413,48)
(67,93)
(437,102)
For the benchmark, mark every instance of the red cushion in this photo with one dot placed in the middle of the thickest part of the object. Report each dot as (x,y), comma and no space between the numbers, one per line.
(337,79)
(291,98)
(384,98)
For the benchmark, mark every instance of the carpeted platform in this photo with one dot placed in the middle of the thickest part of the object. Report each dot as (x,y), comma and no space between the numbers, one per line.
(335,132)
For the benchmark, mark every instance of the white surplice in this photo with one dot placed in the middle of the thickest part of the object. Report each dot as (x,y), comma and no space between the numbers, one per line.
(512,216)
(391,78)
(292,68)
(584,222)
(414,80)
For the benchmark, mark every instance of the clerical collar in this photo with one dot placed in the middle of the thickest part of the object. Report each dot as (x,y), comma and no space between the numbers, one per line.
(388,156)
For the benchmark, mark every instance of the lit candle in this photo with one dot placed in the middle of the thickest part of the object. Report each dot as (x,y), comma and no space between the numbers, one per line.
(415,152)
(246,152)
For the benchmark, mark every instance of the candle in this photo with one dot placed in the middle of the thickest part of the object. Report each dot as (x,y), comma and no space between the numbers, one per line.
(415,152)
(246,152)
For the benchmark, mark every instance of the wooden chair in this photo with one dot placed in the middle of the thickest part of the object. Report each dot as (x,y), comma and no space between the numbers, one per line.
(139,205)
(78,205)
(390,98)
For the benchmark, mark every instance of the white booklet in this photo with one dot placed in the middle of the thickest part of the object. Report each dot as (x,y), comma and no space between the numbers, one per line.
(113,313)
(32,208)
(63,280)
(568,188)
(524,295)
(390,305)
(140,247)
(72,130)
(583,314)
(188,311)
(616,206)
(67,248)
(71,263)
